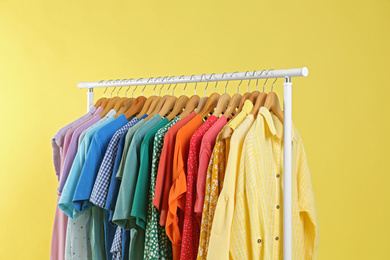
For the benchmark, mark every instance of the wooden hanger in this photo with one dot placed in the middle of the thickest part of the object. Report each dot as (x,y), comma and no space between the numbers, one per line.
(136,107)
(110,105)
(202,103)
(244,97)
(159,104)
(211,103)
(105,102)
(222,104)
(178,107)
(168,106)
(119,103)
(99,102)
(272,104)
(124,107)
(145,106)
(254,96)
(192,103)
(258,104)
(233,105)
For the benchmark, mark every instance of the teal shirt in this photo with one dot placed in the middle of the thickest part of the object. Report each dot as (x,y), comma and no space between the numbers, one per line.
(124,202)
(128,139)
(140,204)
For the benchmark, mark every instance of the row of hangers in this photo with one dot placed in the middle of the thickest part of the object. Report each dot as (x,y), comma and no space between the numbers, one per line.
(170,106)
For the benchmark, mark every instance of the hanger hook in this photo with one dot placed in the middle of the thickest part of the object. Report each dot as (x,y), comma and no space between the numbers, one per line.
(227,81)
(169,87)
(104,93)
(272,86)
(137,85)
(159,92)
(142,91)
(156,84)
(216,82)
(266,79)
(249,82)
(205,88)
(112,92)
(257,80)
(238,87)
(128,88)
(196,83)
(120,81)
(173,90)
(185,86)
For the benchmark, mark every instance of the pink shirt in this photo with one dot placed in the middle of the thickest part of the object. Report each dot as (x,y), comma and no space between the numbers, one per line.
(206,150)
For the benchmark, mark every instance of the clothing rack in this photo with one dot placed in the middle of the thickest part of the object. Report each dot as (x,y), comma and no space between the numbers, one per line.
(287,74)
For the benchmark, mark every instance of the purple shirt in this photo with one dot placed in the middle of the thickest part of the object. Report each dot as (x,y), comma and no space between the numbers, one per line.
(71,153)
(57,142)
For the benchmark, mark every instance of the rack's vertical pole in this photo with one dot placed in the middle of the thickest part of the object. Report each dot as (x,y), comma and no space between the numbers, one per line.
(287,183)
(89,98)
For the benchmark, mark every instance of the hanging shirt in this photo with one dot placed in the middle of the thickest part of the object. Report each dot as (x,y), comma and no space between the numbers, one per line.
(215,177)
(57,251)
(219,236)
(164,174)
(66,201)
(177,198)
(206,149)
(72,150)
(78,234)
(122,214)
(57,141)
(92,163)
(191,230)
(157,244)
(69,134)
(110,114)
(223,150)
(140,204)
(258,215)
(128,139)
(100,188)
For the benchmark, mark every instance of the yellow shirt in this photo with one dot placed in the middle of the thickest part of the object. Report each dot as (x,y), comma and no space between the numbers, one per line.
(220,231)
(257,229)
(214,179)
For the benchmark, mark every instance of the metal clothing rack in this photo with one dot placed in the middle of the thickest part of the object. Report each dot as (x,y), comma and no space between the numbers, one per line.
(287,74)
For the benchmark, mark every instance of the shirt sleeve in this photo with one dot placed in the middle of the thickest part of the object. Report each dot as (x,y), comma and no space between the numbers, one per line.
(308,232)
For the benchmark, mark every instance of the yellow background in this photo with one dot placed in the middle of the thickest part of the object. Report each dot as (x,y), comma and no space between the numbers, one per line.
(342,109)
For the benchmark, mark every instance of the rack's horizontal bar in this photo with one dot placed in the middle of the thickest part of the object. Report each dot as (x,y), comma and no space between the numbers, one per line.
(300,72)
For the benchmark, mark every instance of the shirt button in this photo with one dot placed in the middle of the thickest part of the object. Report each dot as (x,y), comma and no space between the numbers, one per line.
(276,238)
(278,207)
(277,175)
(259,241)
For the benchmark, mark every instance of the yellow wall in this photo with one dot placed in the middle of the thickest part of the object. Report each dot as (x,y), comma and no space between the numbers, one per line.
(342,109)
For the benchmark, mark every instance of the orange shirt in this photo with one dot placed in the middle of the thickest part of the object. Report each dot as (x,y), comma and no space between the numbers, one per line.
(177,198)
(164,174)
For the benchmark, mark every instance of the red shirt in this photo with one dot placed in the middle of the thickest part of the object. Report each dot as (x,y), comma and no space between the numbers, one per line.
(164,173)
(191,228)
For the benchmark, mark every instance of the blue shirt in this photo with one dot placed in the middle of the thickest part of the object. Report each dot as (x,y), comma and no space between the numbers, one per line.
(92,163)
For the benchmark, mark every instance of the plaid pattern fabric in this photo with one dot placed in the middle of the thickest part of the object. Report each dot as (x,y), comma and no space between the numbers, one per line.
(257,228)
(100,188)
(116,248)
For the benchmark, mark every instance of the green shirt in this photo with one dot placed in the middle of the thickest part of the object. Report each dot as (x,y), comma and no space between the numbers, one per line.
(124,202)
(140,204)
(157,244)
(128,138)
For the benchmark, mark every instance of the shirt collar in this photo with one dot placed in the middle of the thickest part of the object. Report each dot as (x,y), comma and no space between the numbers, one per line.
(275,125)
